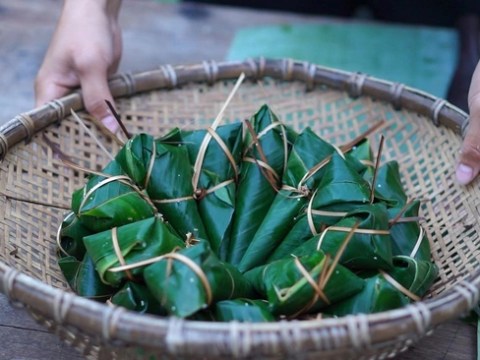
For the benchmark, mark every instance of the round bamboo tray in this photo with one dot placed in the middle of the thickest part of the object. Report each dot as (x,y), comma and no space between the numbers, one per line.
(422,134)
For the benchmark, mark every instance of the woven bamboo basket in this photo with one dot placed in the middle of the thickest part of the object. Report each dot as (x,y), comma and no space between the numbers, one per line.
(422,134)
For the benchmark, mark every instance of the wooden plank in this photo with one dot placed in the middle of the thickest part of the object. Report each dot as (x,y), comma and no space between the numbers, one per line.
(455,340)
(23,338)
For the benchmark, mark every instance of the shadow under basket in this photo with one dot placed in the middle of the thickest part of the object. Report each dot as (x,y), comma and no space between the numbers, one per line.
(423,134)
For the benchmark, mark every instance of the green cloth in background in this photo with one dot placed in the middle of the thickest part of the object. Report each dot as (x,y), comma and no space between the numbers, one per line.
(418,56)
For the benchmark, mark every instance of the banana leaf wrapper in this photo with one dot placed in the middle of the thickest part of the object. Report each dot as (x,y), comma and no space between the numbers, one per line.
(242,310)
(388,185)
(193,279)
(370,246)
(415,275)
(136,242)
(290,200)
(363,153)
(83,278)
(72,232)
(408,238)
(217,208)
(255,193)
(341,190)
(136,297)
(381,293)
(290,292)
(167,178)
(378,295)
(203,315)
(110,200)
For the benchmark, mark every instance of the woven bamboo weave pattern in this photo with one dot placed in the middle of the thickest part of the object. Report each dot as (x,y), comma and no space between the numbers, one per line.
(426,154)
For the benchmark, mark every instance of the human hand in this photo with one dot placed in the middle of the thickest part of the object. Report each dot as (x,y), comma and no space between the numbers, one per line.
(469,161)
(85,49)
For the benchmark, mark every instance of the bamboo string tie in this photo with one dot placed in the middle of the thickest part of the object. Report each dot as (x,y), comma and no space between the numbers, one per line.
(418,242)
(355,84)
(256,143)
(464,127)
(211,71)
(123,179)
(396,90)
(118,253)
(287,69)
(301,189)
(34,202)
(225,150)
(348,229)
(170,75)
(129,83)
(206,140)
(267,171)
(27,122)
(91,134)
(254,70)
(174,256)
(309,71)
(59,109)
(328,268)
(4,147)
(399,286)
(435,110)
(150,165)
(59,234)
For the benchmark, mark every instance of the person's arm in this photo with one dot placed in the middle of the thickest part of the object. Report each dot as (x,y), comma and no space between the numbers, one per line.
(85,49)
(469,161)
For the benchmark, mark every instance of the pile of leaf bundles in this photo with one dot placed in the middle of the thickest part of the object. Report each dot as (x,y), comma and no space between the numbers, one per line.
(249,221)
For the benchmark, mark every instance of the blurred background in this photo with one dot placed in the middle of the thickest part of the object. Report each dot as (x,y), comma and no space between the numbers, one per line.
(432,45)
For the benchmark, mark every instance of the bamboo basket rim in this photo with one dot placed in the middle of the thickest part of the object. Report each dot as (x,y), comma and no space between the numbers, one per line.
(117,326)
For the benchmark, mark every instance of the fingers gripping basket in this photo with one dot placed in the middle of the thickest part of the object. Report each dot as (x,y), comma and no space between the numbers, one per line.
(422,133)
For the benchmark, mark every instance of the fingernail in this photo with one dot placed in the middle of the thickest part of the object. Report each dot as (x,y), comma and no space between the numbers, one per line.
(464,174)
(110,123)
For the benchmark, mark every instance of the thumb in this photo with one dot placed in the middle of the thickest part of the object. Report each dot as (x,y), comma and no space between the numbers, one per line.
(469,162)
(95,91)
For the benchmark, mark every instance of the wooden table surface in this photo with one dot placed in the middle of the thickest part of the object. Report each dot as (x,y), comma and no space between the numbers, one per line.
(154,34)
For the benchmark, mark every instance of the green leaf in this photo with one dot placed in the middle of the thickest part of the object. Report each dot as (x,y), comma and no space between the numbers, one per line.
(341,190)
(407,237)
(168,176)
(388,185)
(72,232)
(380,294)
(243,310)
(415,275)
(136,297)
(362,152)
(182,290)
(111,204)
(287,204)
(365,250)
(138,241)
(290,293)
(255,193)
(377,295)
(83,278)
(217,208)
